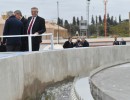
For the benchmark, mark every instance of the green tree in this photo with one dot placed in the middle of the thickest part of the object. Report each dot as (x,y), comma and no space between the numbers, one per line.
(121,29)
(92,21)
(92,29)
(81,17)
(119,18)
(60,22)
(77,21)
(112,21)
(74,21)
(101,30)
(108,19)
(96,19)
(100,19)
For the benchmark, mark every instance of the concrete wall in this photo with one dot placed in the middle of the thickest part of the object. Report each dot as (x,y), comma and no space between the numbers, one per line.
(24,77)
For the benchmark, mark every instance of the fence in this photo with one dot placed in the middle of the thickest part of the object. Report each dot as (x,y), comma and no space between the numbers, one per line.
(30,39)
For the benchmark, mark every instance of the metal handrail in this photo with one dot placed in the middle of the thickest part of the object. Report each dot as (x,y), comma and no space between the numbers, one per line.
(30,39)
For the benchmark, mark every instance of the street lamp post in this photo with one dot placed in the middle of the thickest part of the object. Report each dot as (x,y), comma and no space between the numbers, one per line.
(87,31)
(105,19)
(58,19)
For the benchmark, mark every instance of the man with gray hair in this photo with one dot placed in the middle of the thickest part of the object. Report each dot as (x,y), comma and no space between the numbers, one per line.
(36,25)
(12,27)
(24,40)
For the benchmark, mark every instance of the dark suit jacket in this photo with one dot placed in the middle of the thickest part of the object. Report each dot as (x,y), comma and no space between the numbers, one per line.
(123,43)
(116,43)
(13,27)
(24,40)
(38,26)
(24,21)
(67,44)
(85,44)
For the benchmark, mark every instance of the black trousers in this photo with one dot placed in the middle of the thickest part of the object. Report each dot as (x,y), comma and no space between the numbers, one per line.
(35,46)
(24,45)
(11,48)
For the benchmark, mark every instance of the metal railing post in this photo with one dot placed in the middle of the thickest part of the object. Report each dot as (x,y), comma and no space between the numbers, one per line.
(52,43)
(30,43)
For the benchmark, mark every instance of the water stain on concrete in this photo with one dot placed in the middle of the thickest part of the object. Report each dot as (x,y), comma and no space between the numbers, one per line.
(35,90)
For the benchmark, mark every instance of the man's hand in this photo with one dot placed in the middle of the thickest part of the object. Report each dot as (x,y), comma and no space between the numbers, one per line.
(36,33)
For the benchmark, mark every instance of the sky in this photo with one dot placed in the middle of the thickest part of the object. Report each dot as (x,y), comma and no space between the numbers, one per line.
(67,8)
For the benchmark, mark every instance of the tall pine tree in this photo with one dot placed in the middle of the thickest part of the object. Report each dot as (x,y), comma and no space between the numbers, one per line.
(96,19)
(74,21)
(92,21)
(119,18)
(108,19)
(77,21)
(100,19)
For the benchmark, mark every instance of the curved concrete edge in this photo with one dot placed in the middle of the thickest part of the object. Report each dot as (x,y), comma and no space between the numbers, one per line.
(74,95)
(96,92)
(103,67)
(81,89)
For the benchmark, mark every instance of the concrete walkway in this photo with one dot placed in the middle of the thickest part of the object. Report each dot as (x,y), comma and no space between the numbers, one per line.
(83,89)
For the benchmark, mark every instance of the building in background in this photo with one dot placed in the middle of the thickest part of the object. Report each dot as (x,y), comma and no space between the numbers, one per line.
(2,22)
(83,27)
(52,27)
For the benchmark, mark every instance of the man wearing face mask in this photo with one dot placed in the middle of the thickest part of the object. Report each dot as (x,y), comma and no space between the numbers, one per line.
(35,25)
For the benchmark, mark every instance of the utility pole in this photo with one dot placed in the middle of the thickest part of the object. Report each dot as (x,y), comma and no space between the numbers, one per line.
(105,18)
(58,19)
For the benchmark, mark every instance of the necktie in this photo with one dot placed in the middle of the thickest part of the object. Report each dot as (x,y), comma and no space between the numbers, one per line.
(30,26)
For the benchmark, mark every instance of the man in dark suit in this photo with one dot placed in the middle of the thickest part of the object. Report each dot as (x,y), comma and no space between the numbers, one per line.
(24,40)
(35,25)
(116,42)
(122,42)
(84,42)
(12,27)
(68,44)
